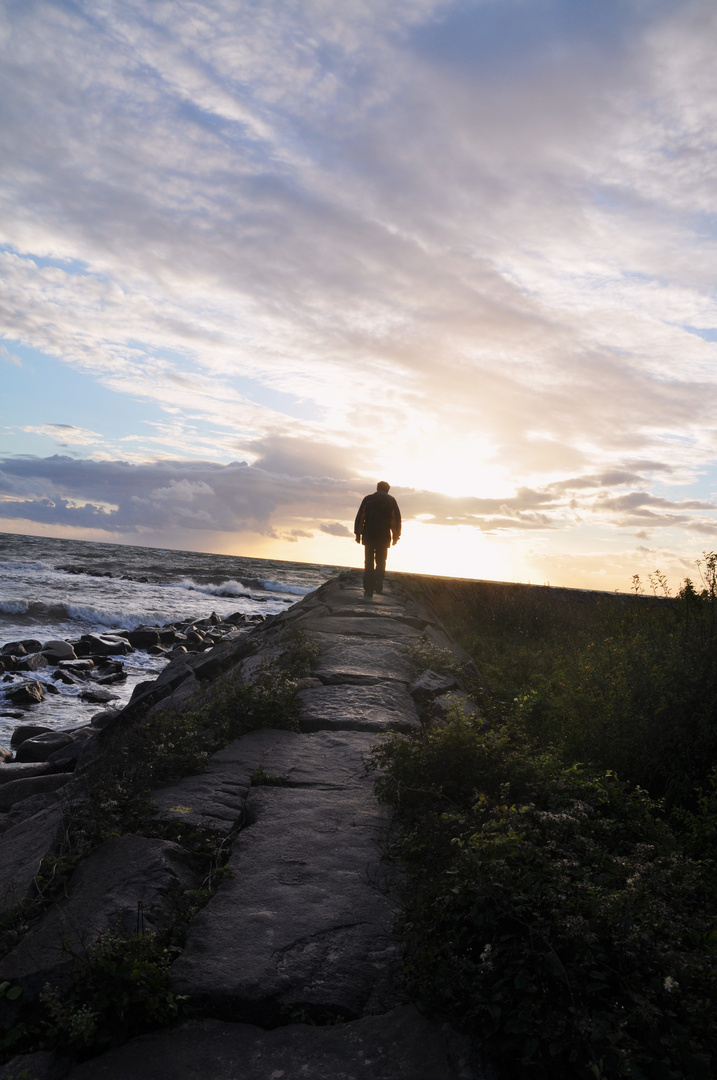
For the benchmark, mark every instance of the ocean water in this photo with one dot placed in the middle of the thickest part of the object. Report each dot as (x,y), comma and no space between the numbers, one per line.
(52,588)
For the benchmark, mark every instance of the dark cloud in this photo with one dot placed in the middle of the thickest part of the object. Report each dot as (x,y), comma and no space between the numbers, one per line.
(335,528)
(203,496)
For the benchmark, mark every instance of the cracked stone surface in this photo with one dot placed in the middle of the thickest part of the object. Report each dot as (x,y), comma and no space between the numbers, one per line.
(400,1045)
(102,894)
(382,706)
(301,921)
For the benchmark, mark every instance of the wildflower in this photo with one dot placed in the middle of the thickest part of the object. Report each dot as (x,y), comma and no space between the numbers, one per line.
(670,984)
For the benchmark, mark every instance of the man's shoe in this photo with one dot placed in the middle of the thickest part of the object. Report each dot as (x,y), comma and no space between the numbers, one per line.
(380,591)
(368,595)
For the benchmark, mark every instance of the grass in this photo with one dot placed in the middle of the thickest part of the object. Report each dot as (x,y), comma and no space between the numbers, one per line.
(557,854)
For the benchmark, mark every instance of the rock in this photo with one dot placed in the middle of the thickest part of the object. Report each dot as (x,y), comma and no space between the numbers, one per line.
(27,731)
(399,1045)
(5,755)
(430,684)
(31,663)
(14,648)
(17,790)
(30,693)
(58,650)
(442,705)
(143,637)
(102,719)
(102,894)
(66,677)
(22,848)
(67,756)
(41,746)
(41,1065)
(77,667)
(97,695)
(110,680)
(16,771)
(50,688)
(384,706)
(106,645)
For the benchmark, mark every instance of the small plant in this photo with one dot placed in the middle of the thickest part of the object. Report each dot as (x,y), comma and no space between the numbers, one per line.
(120,989)
(261,778)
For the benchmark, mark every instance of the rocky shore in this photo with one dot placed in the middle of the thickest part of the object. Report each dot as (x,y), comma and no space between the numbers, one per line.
(291,966)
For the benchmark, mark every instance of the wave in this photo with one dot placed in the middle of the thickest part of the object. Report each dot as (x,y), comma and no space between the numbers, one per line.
(22,566)
(35,611)
(292,590)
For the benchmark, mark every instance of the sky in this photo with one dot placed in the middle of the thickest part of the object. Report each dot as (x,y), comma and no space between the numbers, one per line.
(257,256)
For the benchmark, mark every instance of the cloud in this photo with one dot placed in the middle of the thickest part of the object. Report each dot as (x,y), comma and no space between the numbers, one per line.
(177,496)
(66,434)
(335,528)
(426,240)
(10,358)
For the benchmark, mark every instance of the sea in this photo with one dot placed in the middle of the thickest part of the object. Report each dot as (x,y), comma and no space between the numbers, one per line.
(52,588)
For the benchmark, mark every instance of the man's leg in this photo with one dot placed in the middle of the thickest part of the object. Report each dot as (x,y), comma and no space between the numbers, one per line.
(368,570)
(380,555)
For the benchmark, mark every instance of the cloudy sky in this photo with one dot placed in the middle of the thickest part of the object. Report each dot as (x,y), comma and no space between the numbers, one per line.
(256,256)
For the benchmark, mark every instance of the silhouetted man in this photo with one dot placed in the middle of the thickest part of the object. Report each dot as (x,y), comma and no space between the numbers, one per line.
(378,522)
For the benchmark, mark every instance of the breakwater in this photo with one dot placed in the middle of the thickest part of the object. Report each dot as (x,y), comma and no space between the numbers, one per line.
(291,964)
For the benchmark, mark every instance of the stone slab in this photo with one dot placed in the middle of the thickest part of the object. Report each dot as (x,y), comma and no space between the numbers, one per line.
(215,800)
(360,626)
(359,661)
(323,759)
(299,925)
(384,706)
(399,1045)
(102,894)
(22,848)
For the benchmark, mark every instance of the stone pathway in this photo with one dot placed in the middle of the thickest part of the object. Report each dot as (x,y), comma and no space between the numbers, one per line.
(300,940)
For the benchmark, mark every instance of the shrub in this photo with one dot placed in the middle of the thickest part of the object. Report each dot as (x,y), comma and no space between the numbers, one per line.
(548,910)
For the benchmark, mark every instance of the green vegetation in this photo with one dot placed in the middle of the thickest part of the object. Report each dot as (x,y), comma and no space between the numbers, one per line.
(557,856)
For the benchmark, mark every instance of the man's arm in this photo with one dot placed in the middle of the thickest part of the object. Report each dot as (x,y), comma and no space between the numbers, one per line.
(396,523)
(360,520)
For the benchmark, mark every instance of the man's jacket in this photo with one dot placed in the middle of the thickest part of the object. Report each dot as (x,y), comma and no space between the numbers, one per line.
(378,520)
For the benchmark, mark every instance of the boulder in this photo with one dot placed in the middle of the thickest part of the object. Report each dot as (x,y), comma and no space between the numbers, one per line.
(22,848)
(441,706)
(398,1045)
(15,771)
(29,693)
(17,790)
(14,648)
(102,719)
(430,684)
(102,894)
(40,748)
(106,645)
(143,637)
(58,650)
(32,662)
(27,731)
(97,695)
(40,1065)
(5,755)
(66,677)
(67,756)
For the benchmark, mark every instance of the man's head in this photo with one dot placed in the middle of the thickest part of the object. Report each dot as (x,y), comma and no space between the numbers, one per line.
(382,486)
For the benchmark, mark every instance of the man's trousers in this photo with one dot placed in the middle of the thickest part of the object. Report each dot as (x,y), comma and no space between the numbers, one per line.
(374,567)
